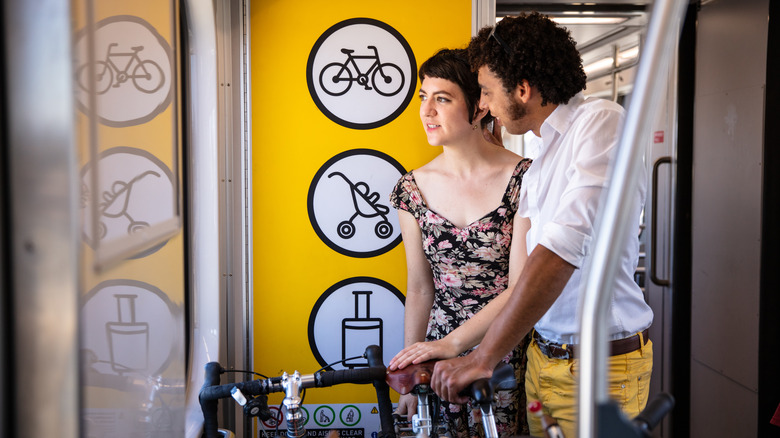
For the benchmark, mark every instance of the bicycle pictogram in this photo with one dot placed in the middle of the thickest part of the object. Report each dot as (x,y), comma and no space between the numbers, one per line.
(336,78)
(113,71)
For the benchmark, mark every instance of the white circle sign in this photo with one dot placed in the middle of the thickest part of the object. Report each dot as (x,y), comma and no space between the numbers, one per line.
(361,73)
(349,203)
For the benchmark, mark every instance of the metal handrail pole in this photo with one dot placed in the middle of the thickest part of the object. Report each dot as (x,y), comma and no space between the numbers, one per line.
(599,275)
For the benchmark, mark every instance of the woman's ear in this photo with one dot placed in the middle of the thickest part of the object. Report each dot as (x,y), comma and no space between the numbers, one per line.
(479,113)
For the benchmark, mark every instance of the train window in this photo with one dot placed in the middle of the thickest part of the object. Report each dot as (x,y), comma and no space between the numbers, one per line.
(126,90)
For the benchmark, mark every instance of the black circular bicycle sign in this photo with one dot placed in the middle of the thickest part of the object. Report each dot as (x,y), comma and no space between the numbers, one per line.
(361,73)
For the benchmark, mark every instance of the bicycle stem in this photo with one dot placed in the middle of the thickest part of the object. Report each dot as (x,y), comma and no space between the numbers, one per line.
(292,401)
(422,422)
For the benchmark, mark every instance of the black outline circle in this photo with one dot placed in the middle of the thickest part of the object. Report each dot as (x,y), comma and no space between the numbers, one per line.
(310,202)
(131,150)
(321,300)
(412,73)
(172,307)
(169,99)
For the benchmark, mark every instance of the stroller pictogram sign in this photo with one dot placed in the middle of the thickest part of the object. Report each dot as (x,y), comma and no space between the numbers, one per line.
(366,205)
(349,205)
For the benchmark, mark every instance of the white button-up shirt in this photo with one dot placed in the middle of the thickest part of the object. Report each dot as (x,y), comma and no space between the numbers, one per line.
(561,192)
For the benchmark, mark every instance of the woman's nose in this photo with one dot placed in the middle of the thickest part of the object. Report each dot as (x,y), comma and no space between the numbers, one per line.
(427,109)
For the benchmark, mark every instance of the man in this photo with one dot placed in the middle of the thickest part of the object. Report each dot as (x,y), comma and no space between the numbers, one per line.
(531,78)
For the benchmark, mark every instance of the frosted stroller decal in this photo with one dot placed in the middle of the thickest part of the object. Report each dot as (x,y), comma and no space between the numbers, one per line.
(116,201)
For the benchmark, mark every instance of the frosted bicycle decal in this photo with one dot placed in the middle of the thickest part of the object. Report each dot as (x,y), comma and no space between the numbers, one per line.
(361,85)
(337,78)
(147,76)
(367,206)
(349,200)
(125,75)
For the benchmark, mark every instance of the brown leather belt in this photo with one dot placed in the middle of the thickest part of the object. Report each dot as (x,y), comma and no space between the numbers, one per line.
(569,351)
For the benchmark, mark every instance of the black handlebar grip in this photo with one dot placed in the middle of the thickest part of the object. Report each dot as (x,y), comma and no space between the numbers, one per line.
(358,375)
(480,390)
(251,387)
(654,412)
(503,377)
(374,356)
(209,405)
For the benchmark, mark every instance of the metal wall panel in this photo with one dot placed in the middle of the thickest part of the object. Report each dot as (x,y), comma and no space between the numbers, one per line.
(731,406)
(726,212)
(726,232)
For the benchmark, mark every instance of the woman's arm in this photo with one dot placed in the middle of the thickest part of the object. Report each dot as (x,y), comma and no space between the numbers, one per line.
(419,296)
(419,282)
(471,332)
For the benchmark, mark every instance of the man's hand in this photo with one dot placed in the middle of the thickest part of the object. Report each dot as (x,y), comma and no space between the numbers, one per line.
(420,352)
(407,405)
(452,376)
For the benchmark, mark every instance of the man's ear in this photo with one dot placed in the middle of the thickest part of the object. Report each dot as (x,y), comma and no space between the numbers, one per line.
(522,92)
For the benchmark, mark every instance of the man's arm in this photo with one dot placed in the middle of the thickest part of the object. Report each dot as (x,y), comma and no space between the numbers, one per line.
(473,330)
(541,282)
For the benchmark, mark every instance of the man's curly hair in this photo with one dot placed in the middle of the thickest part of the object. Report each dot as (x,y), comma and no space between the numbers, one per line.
(538,51)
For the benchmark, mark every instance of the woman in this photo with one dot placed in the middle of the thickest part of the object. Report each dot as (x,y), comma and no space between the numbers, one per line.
(457,217)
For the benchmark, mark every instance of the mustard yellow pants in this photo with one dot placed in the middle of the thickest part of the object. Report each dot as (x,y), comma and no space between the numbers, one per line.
(554,383)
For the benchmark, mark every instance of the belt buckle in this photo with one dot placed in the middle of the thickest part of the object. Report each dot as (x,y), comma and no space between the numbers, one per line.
(547,348)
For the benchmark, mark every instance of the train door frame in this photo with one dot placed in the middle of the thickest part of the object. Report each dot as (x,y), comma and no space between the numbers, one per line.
(41,369)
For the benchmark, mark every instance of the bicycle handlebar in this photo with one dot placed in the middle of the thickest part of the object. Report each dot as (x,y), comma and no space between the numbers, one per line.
(481,390)
(654,412)
(212,391)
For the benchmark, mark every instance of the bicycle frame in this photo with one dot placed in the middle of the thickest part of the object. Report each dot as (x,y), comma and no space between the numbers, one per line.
(362,78)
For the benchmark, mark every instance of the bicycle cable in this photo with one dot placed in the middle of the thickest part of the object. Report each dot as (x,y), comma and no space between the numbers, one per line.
(246,372)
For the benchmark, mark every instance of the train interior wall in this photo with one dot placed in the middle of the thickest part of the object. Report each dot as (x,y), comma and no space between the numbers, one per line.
(733,351)
(726,225)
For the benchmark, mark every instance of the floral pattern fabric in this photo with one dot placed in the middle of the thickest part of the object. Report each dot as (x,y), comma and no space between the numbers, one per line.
(470,266)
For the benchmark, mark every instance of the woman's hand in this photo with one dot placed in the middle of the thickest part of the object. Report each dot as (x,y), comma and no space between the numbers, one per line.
(423,351)
(407,405)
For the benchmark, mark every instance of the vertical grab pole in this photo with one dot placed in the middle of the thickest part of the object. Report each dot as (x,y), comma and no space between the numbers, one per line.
(663,32)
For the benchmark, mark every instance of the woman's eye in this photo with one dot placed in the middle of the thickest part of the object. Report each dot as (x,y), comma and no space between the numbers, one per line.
(423,97)
(442,100)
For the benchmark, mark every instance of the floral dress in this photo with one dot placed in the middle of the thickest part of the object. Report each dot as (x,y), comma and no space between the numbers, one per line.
(470,266)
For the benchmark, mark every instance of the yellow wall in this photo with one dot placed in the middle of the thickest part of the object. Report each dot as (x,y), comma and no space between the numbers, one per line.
(292,139)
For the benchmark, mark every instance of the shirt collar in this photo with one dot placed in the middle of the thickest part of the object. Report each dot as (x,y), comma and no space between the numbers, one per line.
(561,118)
